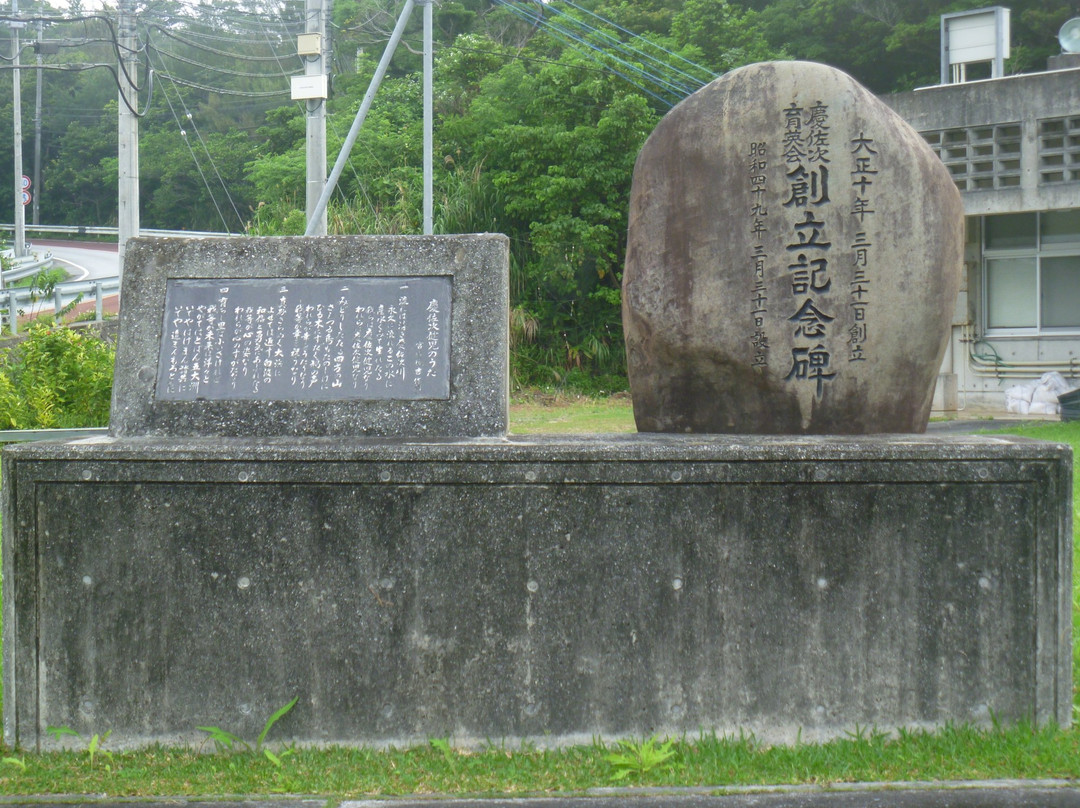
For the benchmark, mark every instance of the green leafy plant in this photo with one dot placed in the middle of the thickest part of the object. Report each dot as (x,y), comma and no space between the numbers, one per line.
(443,745)
(639,758)
(94,746)
(228,742)
(19,763)
(224,741)
(60,732)
(56,377)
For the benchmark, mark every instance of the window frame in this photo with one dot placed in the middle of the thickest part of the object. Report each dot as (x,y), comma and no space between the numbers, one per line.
(1037,252)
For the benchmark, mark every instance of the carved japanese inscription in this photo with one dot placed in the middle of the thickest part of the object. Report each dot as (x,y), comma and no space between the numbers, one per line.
(295,339)
(793,261)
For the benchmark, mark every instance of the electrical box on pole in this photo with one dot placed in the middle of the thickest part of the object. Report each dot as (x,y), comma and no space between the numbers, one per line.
(309,44)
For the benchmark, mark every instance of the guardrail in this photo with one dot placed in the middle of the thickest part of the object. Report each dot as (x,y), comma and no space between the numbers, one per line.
(28,435)
(25,267)
(11,300)
(79,230)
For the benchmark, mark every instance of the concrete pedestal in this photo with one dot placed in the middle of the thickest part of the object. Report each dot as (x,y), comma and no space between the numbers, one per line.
(548,588)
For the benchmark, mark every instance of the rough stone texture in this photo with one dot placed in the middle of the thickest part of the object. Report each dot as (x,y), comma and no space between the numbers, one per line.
(1018,794)
(743,315)
(479,374)
(549,588)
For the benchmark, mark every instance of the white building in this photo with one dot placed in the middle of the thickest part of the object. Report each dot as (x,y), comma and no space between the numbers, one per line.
(1012,145)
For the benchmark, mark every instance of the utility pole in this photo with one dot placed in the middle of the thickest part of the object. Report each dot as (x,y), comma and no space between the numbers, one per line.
(365,106)
(315,65)
(20,211)
(37,127)
(127,129)
(429,116)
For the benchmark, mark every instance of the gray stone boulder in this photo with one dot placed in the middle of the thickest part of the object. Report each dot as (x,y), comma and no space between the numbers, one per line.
(794,255)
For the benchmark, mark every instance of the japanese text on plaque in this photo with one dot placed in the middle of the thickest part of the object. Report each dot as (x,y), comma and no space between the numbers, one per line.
(306,339)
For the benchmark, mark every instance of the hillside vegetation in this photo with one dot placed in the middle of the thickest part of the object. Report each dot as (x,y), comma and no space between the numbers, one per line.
(540,109)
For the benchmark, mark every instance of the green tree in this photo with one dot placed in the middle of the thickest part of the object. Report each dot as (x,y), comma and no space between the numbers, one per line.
(726,35)
(81,180)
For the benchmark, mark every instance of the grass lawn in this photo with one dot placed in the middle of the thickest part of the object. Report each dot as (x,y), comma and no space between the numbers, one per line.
(540,413)
(954,753)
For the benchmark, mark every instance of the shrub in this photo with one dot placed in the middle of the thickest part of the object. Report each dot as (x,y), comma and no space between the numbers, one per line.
(56,378)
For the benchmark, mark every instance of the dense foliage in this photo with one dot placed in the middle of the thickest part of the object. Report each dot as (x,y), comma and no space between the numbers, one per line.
(540,111)
(56,378)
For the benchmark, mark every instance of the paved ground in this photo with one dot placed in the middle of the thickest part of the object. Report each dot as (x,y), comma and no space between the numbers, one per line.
(995,794)
(981,421)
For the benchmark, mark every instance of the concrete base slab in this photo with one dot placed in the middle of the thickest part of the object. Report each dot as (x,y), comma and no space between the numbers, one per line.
(551,588)
(816,797)
(835,795)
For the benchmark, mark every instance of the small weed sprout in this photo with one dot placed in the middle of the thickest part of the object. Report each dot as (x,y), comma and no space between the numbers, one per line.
(227,742)
(223,741)
(94,746)
(634,758)
(19,763)
(443,745)
(61,732)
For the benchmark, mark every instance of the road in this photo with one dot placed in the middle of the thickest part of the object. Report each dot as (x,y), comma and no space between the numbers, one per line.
(83,260)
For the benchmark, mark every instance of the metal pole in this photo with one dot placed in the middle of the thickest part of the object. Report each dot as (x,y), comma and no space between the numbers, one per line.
(361,114)
(36,189)
(127,132)
(20,211)
(429,117)
(316,124)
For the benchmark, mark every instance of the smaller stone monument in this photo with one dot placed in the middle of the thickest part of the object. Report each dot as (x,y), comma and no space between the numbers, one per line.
(794,256)
(340,336)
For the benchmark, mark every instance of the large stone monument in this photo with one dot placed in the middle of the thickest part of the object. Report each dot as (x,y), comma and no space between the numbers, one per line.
(794,255)
(308,493)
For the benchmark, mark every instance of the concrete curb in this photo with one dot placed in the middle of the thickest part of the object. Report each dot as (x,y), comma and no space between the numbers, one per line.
(1046,793)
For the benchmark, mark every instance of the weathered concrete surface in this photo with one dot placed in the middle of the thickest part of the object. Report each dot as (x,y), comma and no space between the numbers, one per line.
(1015,794)
(814,797)
(476,265)
(1025,101)
(793,261)
(840,795)
(548,588)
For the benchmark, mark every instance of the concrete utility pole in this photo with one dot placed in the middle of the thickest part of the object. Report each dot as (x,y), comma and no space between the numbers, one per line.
(429,117)
(20,211)
(361,114)
(36,188)
(316,65)
(365,106)
(128,129)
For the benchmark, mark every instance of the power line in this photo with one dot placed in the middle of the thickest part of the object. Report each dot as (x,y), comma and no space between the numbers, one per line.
(206,88)
(662,76)
(215,69)
(670,53)
(274,57)
(183,134)
(568,39)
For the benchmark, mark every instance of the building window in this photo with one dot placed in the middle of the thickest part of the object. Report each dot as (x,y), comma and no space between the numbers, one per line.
(980,158)
(1031,272)
(1059,150)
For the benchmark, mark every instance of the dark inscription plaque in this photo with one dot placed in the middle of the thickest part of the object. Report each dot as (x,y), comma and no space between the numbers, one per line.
(299,339)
